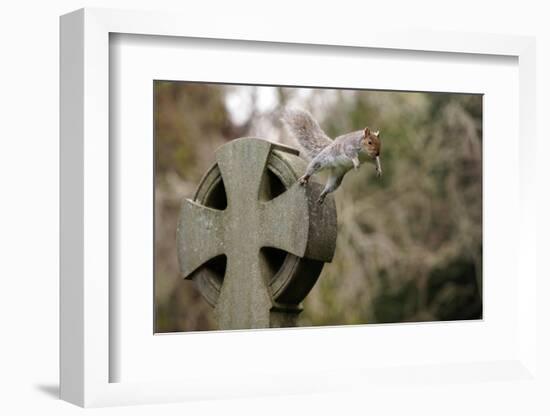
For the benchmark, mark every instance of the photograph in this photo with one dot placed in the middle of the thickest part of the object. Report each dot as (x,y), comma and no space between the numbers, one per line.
(304,206)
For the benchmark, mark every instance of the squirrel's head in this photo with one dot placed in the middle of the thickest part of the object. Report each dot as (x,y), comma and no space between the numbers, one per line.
(371,142)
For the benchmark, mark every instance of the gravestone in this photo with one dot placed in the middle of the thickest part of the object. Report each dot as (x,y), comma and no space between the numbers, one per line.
(252,239)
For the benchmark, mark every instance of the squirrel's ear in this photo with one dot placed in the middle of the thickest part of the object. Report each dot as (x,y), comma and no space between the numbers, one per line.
(367,132)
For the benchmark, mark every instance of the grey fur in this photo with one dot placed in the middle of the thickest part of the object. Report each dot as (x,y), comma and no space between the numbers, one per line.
(306,130)
(338,156)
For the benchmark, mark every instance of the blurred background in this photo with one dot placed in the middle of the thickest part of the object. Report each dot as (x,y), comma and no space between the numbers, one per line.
(409,243)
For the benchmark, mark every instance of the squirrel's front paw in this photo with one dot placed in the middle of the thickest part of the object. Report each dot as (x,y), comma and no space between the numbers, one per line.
(378,172)
(303,180)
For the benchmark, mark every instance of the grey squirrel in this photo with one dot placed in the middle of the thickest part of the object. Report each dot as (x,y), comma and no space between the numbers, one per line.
(338,156)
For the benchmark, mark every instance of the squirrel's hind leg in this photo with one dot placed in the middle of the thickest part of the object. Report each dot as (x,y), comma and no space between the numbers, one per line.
(317,164)
(333,182)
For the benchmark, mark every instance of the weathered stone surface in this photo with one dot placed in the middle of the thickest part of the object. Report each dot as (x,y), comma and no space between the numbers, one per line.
(252,239)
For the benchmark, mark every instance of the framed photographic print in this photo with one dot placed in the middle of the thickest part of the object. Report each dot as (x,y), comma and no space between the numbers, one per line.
(284,213)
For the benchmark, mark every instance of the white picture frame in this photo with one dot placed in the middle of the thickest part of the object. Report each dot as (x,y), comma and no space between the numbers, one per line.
(85,353)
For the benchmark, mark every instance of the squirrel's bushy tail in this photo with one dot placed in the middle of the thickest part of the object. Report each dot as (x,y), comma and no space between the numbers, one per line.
(306,130)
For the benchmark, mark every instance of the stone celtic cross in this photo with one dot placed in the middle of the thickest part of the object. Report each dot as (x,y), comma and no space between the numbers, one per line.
(252,239)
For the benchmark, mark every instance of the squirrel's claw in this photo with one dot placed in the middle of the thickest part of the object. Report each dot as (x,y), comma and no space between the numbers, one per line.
(303,180)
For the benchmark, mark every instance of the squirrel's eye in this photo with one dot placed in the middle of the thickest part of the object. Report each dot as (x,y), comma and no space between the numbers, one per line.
(370,141)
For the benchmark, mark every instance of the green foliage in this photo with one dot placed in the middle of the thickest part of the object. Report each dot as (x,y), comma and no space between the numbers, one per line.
(419,224)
